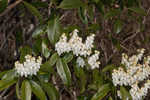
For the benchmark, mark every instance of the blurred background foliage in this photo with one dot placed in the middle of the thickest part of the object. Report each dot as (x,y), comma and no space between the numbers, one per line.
(34,26)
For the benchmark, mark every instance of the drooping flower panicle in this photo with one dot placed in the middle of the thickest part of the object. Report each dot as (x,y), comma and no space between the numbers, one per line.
(135,73)
(78,48)
(75,44)
(28,68)
(92,60)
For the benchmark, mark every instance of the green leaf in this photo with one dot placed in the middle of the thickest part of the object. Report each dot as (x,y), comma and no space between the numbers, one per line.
(37,48)
(26,90)
(112,13)
(38,31)
(25,51)
(47,66)
(34,11)
(138,10)
(53,30)
(83,98)
(102,92)
(80,73)
(108,68)
(6,83)
(40,4)
(3,5)
(53,59)
(82,12)
(110,98)
(45,50)
(97,78)
(37,90)
(51,91)
(63,71)
(18,90)
(9,75)
(44,76)
(3,73)
(101,7)
(94,27)
(96,1)
(70,4)
(118,26)
(68,57)
(125,94)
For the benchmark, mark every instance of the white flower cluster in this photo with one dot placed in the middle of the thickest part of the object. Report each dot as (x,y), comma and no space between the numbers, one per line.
(92,60)
(80,62)
(75,44)
(30,67)
(137,93)
(133,74)
(78,48)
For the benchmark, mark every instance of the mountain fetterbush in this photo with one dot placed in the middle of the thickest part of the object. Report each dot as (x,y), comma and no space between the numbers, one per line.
(30,67)
(75,44)
(80,62)
(92,60)
(79,48)
(135,72)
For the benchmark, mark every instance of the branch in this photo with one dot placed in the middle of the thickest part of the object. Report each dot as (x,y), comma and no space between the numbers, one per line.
(10,7)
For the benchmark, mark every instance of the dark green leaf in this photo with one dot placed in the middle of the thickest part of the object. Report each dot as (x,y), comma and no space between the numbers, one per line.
(97,78)
(51,91)
(94,27)
(53,59)
(3,5)
(34,11)
(102,92)
(138,10)
(18,91)
(79,72)
(110,98)
(25,51)
(125,94)
(9,75)
(53,30)
(44,76)
(46,67)
(40,4)
(70,4)
(26,90)
(82,98)
(63,71)
(45,50)
(37,90)
(118,26)
(100,6)
(96,1)
(38,31)
(37,48)
(3,73)
(68,57)
(82,12)
(112,13)
(6,83)
(108,68)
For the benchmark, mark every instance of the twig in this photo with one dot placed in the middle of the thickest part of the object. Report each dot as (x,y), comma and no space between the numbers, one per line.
(130,37)
(10,7)
(5,40)
(3,93)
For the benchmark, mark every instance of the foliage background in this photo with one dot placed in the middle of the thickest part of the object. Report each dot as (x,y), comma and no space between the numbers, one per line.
(115,32)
